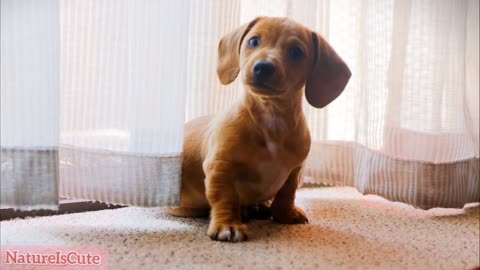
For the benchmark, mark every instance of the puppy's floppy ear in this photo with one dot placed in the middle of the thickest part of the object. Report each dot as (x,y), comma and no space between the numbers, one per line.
(229,53)
(329,74)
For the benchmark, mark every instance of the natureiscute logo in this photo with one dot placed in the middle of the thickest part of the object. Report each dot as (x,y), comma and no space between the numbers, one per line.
(53,257)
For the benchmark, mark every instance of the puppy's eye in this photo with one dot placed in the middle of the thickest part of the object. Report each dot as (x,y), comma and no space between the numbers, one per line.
(254,42)
(295,53)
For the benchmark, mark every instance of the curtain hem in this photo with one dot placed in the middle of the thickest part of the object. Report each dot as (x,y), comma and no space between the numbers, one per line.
(423,185)
(120,178)
(29,178)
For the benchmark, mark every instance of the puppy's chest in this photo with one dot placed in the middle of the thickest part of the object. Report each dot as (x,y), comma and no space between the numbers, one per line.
(274,170)
(272,166)
(274,151)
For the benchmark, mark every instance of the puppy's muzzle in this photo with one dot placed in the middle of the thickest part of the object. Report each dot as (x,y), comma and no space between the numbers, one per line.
(263,71)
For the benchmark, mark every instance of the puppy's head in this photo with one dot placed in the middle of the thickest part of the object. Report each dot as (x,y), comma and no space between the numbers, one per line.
(277,57)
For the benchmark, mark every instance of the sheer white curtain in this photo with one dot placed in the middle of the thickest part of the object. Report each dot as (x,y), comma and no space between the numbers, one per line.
(29,76)
(93,97)
(406,127)
(95,93)
(122,99)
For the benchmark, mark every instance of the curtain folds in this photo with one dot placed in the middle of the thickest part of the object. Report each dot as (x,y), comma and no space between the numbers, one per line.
(93,97)
(94,94)
(29,76)
(122,100)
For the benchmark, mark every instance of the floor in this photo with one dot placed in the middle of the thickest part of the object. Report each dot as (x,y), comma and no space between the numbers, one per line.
(346,231)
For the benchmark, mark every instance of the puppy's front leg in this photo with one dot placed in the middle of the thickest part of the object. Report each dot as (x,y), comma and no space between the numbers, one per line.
(225,223)
(283,205)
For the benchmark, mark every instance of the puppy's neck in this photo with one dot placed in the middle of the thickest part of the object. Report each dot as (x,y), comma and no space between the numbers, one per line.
(275,115)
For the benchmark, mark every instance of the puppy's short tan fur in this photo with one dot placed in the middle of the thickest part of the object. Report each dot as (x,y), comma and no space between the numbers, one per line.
(254,152)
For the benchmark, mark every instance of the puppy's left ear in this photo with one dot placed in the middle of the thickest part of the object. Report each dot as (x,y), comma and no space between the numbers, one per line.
(329,74)
(229,53)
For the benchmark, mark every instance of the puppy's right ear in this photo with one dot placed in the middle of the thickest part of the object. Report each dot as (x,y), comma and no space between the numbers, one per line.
(229,53)
(329,75)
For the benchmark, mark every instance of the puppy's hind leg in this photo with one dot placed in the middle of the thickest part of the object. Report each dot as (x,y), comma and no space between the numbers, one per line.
(188,212)
(260,210)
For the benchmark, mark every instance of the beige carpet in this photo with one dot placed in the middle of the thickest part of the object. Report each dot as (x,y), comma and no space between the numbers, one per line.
(346,231)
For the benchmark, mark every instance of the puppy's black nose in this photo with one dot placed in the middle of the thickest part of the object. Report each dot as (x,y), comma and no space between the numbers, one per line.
(263,70)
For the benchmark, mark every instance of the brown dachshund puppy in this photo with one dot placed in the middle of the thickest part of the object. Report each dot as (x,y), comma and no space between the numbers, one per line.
(254,152)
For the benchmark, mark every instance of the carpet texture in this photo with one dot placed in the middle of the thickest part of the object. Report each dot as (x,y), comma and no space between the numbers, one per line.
(346,231)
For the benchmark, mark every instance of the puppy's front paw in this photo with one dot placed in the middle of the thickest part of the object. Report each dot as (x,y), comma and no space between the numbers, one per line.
(227,232)
(290,216)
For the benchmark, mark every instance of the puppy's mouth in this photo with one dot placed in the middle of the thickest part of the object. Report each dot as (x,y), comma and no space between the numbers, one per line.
(263,88)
